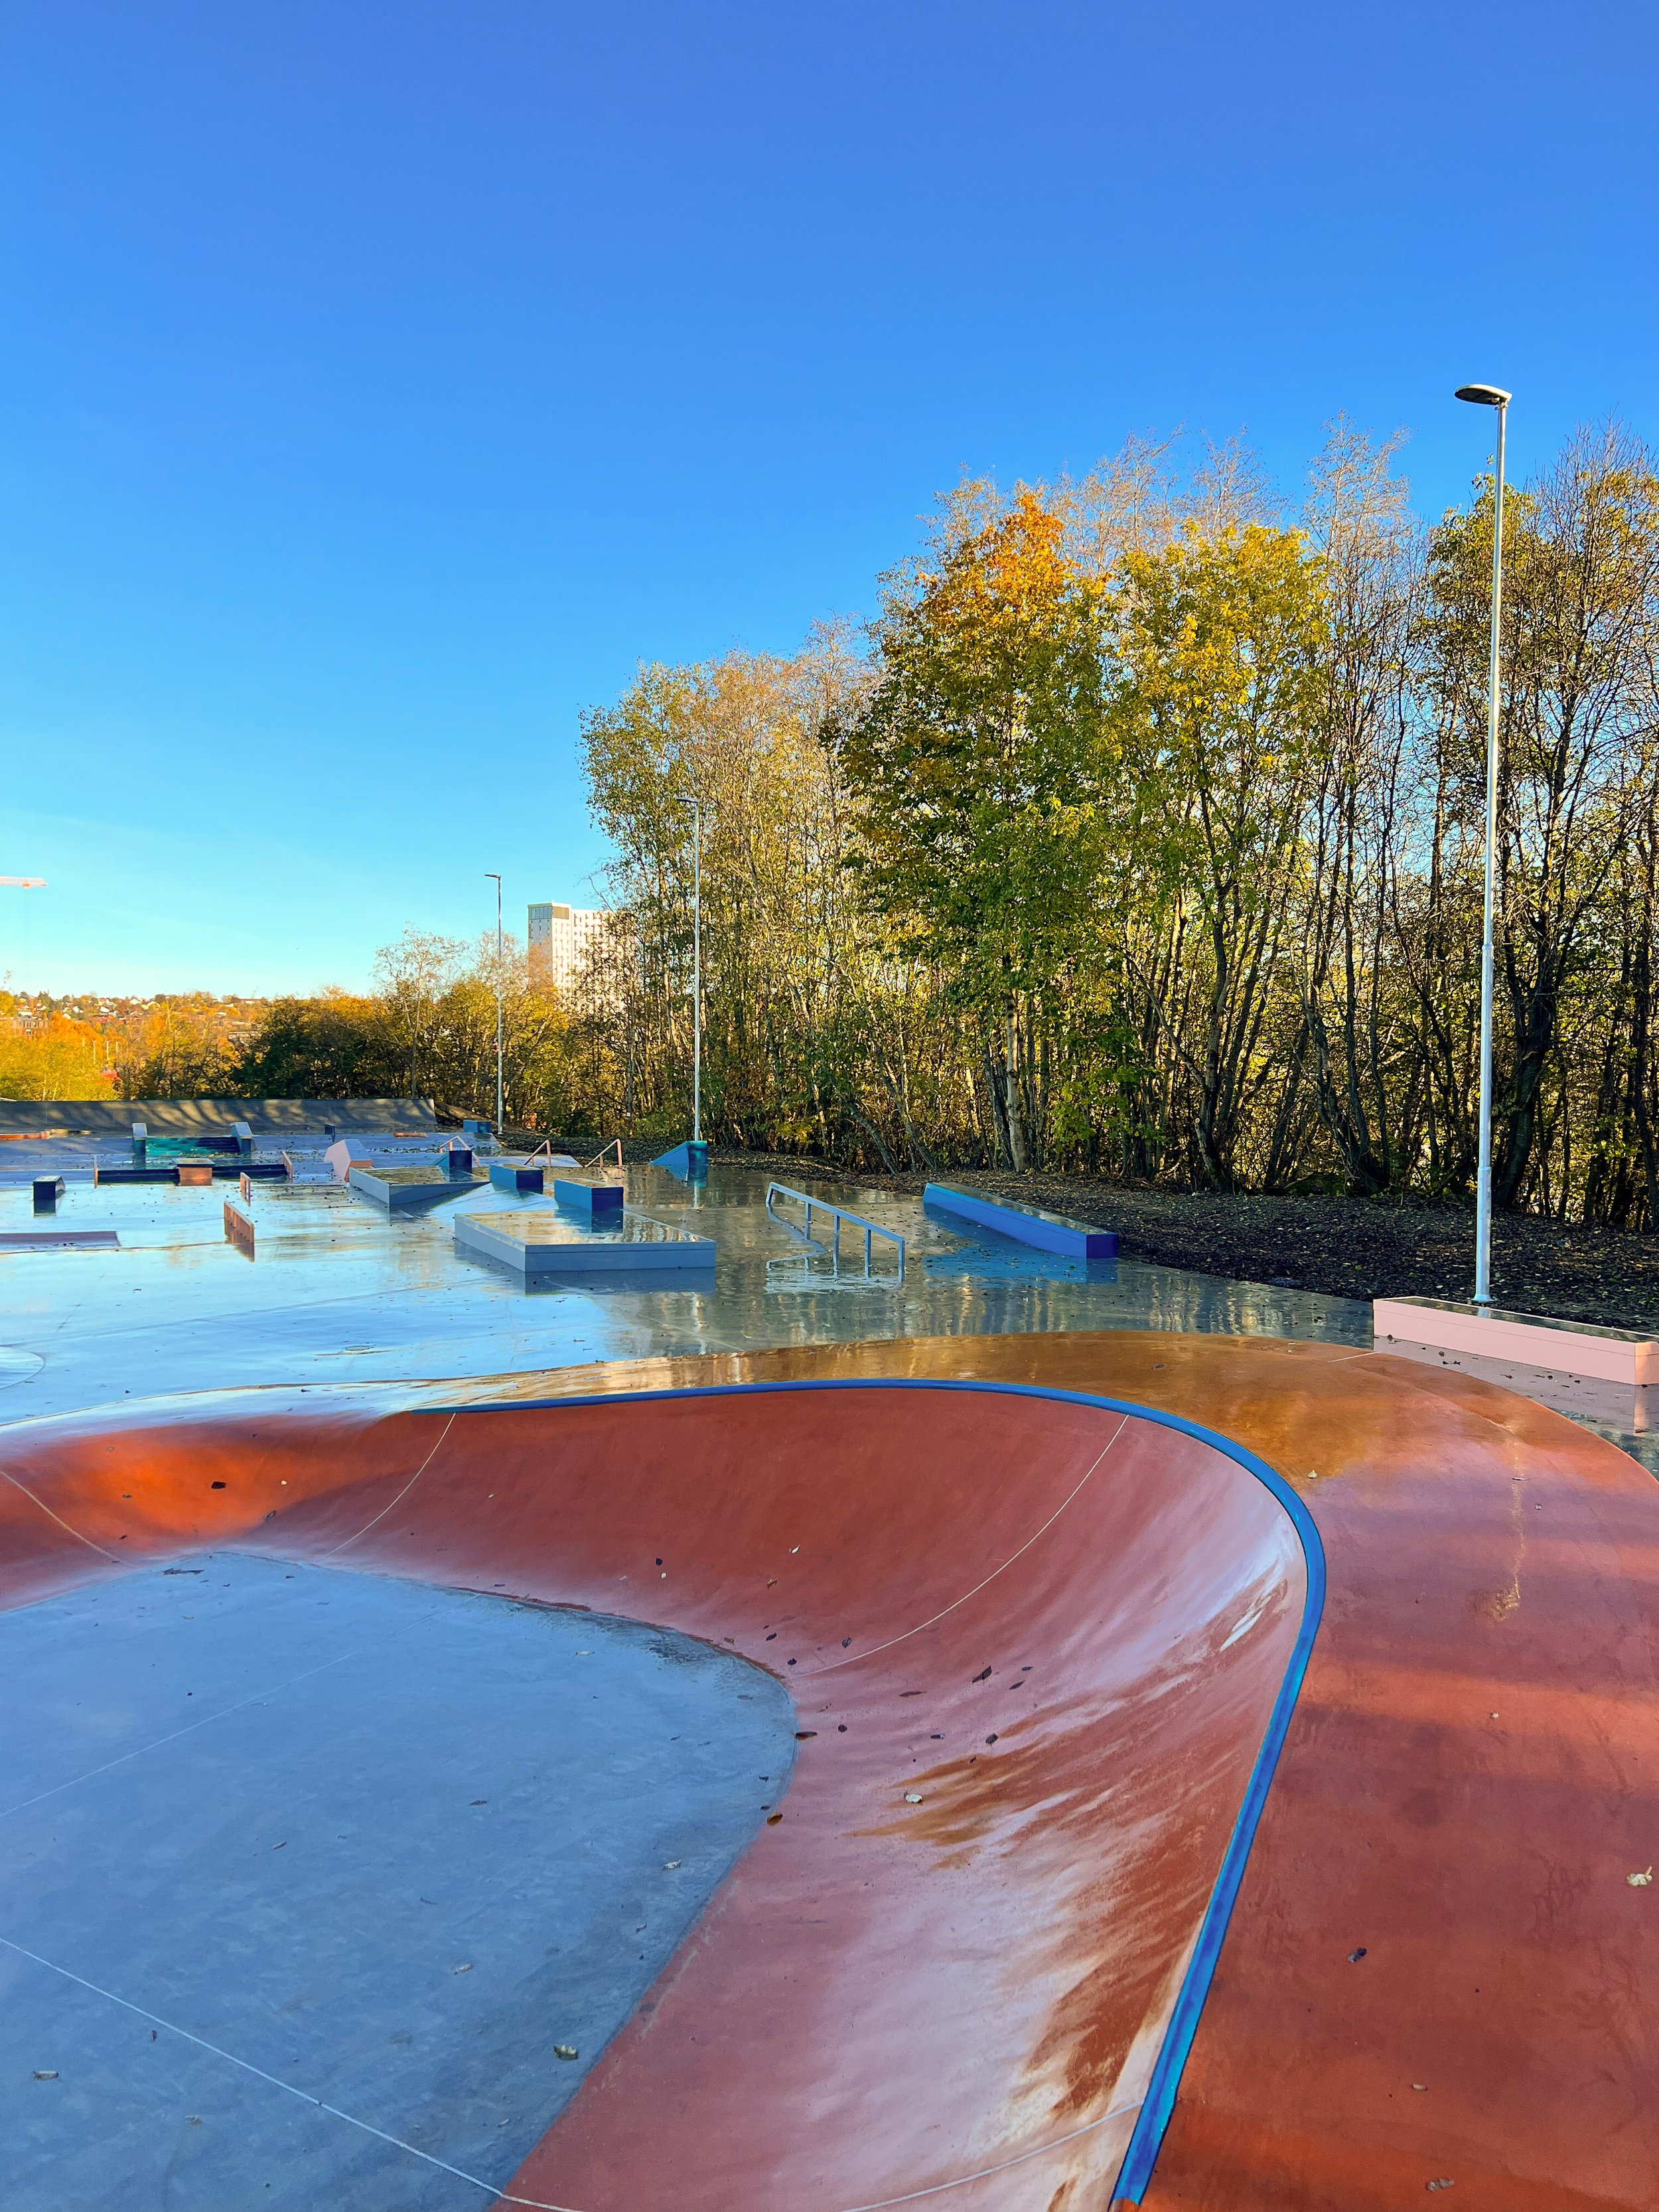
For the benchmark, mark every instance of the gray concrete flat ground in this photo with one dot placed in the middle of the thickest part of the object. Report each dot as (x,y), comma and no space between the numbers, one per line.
(388,1846)
(336,1293)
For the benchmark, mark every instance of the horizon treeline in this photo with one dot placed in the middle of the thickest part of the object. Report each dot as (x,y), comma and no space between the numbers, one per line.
(1138,834)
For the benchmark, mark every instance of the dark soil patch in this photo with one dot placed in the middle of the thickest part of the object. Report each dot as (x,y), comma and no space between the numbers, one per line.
(1348,1247)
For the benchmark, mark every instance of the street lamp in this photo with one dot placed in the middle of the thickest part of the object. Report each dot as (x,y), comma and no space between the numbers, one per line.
(1489,395)
(500,1085)
(696,971)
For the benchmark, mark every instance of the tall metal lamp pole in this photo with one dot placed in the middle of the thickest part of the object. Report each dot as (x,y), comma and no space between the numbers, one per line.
(501,1087)
(1489,395)
(696,971)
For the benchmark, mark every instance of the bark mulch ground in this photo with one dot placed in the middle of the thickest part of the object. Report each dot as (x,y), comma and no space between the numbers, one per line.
(1353,1248)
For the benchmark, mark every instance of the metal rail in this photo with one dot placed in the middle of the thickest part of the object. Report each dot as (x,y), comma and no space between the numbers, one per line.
(838,1214)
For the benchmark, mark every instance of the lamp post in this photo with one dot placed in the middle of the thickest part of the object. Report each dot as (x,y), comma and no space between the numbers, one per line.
(501,1088)
(1489,395)
(696,971)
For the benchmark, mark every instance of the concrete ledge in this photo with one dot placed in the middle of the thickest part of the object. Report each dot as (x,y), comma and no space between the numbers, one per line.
(1027,1224)
(1605,1374)
(409,1189)
(514,1178)
(540,1246)
(600,1204)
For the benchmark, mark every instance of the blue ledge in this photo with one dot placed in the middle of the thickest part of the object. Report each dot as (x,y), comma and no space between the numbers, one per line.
(1030,1224)
(511,1178)
(599,1203)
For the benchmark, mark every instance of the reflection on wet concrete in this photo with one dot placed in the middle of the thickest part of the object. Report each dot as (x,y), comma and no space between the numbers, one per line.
(337,1293)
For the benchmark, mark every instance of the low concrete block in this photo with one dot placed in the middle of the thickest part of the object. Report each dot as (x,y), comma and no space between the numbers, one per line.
(1027,1224)
(48,1189)
(544,1247)
(1574,1366)
(599,1204)
(408,1189)
(505,1177)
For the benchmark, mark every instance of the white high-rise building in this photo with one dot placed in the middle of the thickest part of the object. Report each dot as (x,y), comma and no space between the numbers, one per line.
(559,937)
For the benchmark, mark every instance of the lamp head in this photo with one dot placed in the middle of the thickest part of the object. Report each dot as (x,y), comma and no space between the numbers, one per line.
(1484,395)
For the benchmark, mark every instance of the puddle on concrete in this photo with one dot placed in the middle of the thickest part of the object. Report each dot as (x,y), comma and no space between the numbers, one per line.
(387,1844)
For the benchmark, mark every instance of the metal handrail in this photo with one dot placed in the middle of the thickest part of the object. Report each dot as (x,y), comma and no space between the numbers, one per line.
(838,1214)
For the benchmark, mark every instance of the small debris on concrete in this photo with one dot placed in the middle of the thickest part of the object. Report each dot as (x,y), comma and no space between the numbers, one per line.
(565,2050)
(45,2073)
(1445,2182)
(912,1798)
(1639,1880)
(984,1675)
(1354,1957)
(844,1641)
(772,1819)
(801,1735)
(466,1969)
(991,1739)
(669,1865)
(1419,2085)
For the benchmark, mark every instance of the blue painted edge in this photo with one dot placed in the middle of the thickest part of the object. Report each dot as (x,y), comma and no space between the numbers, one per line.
(1076,1238)
(592,1199)
(1138,2159)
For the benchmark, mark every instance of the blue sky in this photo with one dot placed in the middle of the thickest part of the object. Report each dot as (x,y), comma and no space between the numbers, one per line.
(381,379)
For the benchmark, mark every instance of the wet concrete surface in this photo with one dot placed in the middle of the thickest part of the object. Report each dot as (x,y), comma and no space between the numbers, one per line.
(296,1860)
(336,1293)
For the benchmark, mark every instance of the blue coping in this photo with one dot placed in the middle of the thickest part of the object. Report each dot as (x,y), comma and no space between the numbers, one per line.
(1147,2140)
(511,1178)
(594,1201)
(1030,1224)
(688,1160)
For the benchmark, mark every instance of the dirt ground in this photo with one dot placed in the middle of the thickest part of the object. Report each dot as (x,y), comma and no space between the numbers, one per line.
(1351,1247)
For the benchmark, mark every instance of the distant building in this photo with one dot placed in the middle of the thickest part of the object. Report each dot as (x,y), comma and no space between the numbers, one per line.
(559,938)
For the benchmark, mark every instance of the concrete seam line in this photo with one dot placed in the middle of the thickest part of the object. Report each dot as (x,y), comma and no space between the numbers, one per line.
(114,1557)
(275,2080)
(189,1728)
(835,1665)
(398,1499)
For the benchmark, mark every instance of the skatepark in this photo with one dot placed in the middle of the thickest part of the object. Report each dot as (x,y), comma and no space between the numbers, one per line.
(974,1721)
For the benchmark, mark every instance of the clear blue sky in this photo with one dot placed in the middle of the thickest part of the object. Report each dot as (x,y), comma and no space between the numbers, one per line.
(380,380)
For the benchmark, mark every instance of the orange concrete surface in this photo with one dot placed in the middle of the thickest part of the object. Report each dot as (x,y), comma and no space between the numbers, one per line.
(889,1998)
